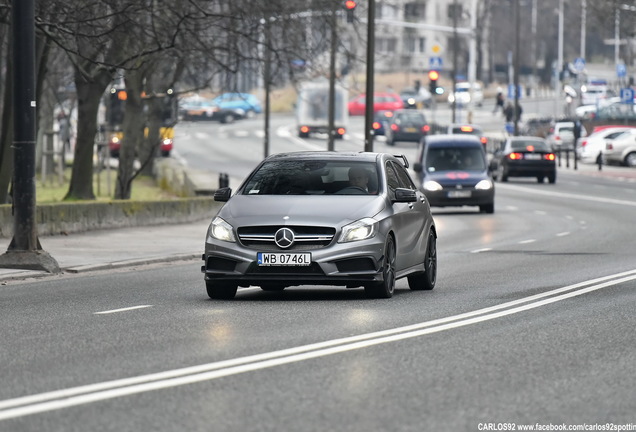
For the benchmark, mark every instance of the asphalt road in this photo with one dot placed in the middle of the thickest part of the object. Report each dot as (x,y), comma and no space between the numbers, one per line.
(531,323)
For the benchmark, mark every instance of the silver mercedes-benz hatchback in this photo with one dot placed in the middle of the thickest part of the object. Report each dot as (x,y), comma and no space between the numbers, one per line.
(322,218)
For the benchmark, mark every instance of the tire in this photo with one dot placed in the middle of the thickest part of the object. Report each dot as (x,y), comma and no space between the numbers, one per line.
(385,288)
(552,178)
(487,208)
(426,281)
(540,179)
(227,118)
(219,290)
(503,175)
(630,159)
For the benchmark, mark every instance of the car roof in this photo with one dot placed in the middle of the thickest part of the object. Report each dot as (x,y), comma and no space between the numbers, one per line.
(337,156)
(452,140)
(525,138)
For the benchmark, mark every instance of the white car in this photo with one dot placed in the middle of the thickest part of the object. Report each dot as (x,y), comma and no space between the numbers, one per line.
(591,94)
(588,148)
(462,94)
(622,149)
(561,136)
(589,111)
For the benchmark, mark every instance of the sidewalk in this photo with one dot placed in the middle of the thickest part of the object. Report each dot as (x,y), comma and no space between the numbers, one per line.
(110,249)
(125,247)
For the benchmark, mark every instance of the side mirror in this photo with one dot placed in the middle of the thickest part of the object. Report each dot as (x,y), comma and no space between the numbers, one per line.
(417,167)
(405,195)
(223,194)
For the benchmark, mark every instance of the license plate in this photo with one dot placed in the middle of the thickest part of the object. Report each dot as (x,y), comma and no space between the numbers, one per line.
(283,259)
(459,194)
(530,156)
(411,130)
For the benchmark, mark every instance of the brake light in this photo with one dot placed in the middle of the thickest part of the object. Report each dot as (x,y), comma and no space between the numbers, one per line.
(557,138)
(395,127)
(550,156)
(515,156)
(376,125)
(484,140)
(341,131)
(609,146)
(466,129)
(426,128)
(583,143)
(530,148)
(304,129)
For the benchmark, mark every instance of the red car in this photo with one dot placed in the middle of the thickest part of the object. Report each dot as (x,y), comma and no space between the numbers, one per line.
(381,102)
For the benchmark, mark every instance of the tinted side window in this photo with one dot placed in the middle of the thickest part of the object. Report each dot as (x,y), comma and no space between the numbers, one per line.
(391,177)
(403,176)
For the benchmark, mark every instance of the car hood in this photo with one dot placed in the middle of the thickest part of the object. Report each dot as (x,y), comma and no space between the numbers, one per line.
(459,177)
(338,210)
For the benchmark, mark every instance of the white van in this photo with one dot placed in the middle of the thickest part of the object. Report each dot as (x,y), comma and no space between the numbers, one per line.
(462,94)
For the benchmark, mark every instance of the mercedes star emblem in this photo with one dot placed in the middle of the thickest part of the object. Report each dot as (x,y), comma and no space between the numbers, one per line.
(284,238)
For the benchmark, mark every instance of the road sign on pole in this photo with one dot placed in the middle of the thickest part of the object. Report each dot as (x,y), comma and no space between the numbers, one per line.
(627,95)
(435,63)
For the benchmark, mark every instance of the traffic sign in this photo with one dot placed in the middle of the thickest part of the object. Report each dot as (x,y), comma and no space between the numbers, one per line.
(435,63)
(511,91)
(579,64)
(621,70)
(627,95)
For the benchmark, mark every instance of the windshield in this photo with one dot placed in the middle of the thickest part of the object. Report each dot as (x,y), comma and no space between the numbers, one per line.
(313,177)
(529,145)
(455,158)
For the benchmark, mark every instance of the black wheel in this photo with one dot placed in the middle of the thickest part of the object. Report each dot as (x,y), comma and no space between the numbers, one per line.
(487,208)
(385,288)
(390,142)
(630,159)
(303,134)
(227,118)
(503,175)
(426,280)
(220,290)
(540,179)
(552,178)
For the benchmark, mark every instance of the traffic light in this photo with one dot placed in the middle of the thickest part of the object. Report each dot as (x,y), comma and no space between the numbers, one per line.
(433,76)
(350,6)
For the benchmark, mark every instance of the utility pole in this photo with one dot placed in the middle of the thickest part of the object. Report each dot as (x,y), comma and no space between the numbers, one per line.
(516,68)
(332,80)
(368,114)
(25,251)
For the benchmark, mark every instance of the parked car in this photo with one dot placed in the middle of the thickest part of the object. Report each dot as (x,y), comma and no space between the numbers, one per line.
(621,149)
(470,129)
(594,92)
(329,218)
(406,125)
(416,99)
(452,171)
(561,136)
(380,122)
(524,156)
(114,145)
(462,94)
(246,103)
(381,102)
(588,148)
(196,108)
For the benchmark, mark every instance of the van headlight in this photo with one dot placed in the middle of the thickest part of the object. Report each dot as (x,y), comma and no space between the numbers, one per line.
(359,230)
(432,186)
(484,185)
(221,230)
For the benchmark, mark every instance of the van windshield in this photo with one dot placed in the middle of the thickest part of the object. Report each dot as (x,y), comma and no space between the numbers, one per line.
(455,158)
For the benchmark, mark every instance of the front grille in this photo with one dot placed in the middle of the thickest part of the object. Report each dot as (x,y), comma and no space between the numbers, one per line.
(305,237)
(313,269)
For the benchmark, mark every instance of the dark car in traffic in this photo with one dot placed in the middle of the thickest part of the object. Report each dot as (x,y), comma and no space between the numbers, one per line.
(453,172)
(380,122)
(524,156)
(406,125)
(322,218)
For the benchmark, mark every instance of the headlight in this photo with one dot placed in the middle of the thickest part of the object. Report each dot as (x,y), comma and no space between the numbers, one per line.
(484,185)
(221,230)
(359,230)
(432,186)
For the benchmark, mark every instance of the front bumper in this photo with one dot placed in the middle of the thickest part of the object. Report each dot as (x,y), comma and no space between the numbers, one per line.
(445,198)
(350,264)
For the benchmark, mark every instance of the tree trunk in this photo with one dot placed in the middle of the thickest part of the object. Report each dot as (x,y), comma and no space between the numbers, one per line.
(6,135)
(133,134)
(89,94)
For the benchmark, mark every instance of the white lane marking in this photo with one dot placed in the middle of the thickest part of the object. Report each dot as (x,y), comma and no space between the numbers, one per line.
(563,234)
(481,250)
(122,309)
(570,196)
(527,241)
(540,212)
(28,405)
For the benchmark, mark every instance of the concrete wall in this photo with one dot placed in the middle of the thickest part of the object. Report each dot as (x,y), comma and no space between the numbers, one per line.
(59,218)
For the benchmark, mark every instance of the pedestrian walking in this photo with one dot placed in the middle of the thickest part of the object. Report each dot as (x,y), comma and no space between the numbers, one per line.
(499,101)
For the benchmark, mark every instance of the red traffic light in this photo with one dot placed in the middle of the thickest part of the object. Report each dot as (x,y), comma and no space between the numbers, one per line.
(433,75)
(350,4)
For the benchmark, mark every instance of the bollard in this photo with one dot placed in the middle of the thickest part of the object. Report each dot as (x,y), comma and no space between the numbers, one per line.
(599,160)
